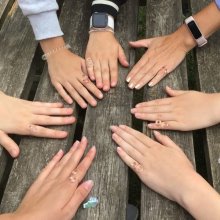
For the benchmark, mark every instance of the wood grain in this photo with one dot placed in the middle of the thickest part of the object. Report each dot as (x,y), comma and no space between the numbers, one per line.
(163,17)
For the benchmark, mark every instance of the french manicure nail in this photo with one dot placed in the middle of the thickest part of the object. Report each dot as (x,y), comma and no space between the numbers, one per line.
(150,84)
(128,79)
(131,86)
(137,86)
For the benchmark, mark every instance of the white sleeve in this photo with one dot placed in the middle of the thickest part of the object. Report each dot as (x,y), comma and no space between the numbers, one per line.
(43,17)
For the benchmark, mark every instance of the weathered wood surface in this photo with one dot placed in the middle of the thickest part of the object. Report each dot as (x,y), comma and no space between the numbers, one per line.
(108,171)
(14,64)
(36,152)
(4,5)
(163,17)
(208,59)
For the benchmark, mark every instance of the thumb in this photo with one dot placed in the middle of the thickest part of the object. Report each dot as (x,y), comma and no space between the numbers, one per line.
(122,58)
(172,92)
(9,144)
(141,43)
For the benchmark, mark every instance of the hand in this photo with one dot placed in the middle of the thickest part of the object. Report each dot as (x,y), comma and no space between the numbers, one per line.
(69,75)
(102,55)
(165,169)
(184,111)
(58,192)
(154,162)
(164,54)
(27,118)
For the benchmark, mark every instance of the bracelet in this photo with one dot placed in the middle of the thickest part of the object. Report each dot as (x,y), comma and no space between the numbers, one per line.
(101,30)
(46,55)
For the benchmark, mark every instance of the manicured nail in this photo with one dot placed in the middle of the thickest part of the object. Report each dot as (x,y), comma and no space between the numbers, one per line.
(84,139)
(128,79)
(119,150)
(138,86)
(88,184)
(131,86)
(157,133)
(150,84)
(100,96)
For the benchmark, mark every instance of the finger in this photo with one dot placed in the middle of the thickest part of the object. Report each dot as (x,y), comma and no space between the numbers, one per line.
(98,74)
(90,66)
(45,104)
(173,93)
(105,75)
(140,136)
(155,116)
(129,161)
(74,160)
(78,197)
(122,57)
(160,75)
(85,94)
(75,95)
(168,125)
(51,111)
(141,43)
(9,144)
(92,88)
(138,77)
(113,65)
(48,120)
(64,161)
(164,140)
(38,131)
(63,93)
(50,166)
(128,148)
(152,109)
(156,102)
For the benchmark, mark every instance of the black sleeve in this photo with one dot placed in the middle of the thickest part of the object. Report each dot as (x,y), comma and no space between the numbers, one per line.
(110,7)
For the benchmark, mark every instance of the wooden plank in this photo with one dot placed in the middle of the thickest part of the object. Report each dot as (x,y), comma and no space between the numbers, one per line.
(163,17)
(108,172)
(36,152)
(4,6)
(208,68)
(17,47)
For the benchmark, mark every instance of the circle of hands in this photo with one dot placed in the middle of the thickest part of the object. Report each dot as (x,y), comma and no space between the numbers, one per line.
(72,77)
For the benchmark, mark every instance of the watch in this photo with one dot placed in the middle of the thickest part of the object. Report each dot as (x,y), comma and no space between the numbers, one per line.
(101,21)
(194,29)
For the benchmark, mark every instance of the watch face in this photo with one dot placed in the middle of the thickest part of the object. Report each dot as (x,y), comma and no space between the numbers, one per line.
(194,29)
(99,20)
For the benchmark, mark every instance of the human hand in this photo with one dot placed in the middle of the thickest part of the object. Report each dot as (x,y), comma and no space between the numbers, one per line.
(28,118)
(184,110)
(69,75)
(158,165)
(58,192)
(164,54)
(102,55)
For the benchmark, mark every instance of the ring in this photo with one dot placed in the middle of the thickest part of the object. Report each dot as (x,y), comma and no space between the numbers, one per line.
(73,177)
(161,123)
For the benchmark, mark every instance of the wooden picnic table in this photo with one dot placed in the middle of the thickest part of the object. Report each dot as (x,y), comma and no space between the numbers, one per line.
(23,74)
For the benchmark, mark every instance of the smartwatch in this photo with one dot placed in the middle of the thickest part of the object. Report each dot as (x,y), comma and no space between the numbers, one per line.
(194,29)
(101,21)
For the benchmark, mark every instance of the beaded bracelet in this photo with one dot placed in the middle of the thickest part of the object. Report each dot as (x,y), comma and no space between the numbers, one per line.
(46,55)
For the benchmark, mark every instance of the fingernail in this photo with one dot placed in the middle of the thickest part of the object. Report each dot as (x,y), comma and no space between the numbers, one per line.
(84,105)
(156,133)
(150,126)
(138,86)
(150,84)
(133,110)
(128,79)
(131,86)
(14,153)
(119,150)
(84,139)
(88,184)
(59,152)
(113,128)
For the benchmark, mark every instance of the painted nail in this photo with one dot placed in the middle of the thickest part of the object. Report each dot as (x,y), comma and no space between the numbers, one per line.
(128,79)
(150,84)
(138,86)
(131,86)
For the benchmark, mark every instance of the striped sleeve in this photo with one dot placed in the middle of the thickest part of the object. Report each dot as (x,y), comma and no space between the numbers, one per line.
(218,3)
(110,7)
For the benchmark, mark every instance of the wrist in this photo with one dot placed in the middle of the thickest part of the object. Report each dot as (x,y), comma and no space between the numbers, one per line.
(50,44)
(185,38)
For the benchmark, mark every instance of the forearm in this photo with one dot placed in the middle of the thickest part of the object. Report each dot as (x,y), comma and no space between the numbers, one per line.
(200,199)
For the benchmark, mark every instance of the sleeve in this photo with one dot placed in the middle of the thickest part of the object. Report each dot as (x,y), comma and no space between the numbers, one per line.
(43,17)
(218,3)
(110,7)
